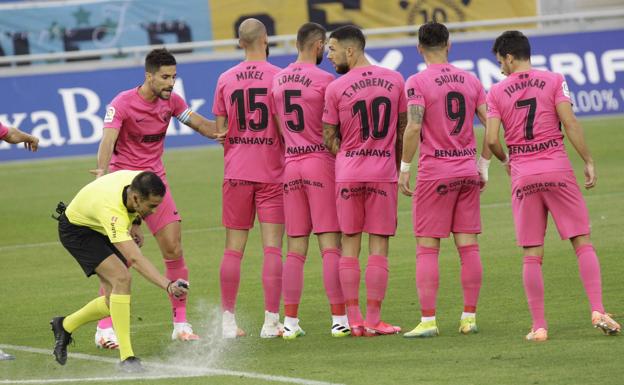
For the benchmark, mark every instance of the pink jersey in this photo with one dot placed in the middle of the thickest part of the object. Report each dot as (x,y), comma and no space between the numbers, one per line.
(3,131)
(299,94)
(365,104)
(253,149)
(526,104)
(450,97)
(142,127)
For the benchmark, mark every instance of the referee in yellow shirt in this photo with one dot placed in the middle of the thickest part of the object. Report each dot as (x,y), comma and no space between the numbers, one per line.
(101,229)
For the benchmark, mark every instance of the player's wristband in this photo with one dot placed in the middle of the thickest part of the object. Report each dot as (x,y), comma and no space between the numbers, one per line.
(137,221)
(405,167)
(506,161)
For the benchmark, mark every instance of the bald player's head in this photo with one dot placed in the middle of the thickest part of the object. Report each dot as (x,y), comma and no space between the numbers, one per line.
(251,32)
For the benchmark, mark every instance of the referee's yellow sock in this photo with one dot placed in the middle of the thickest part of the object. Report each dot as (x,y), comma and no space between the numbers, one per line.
(92,311)
(120,313)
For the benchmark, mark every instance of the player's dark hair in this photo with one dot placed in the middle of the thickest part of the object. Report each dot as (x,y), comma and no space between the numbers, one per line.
(310,32)
(148,183)
(349,32)
(433,35)
(157,58)
(513,43)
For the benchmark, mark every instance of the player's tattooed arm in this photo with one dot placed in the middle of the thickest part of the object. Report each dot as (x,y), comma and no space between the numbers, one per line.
(402,122)
(412,135)
(331,137)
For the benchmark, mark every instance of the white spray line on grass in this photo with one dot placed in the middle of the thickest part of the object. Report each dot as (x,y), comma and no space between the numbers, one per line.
(218,228)
(176,371)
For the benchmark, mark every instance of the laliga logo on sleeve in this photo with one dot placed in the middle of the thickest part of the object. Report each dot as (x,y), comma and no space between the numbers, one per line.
(519,195)
(410,93)
(566,90)
(442,189)
(344,193)
(110,114)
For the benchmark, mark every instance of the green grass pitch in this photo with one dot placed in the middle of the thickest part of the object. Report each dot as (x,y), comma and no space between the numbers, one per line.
(39,280)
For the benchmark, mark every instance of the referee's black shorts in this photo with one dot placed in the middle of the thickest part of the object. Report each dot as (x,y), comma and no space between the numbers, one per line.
(87,246)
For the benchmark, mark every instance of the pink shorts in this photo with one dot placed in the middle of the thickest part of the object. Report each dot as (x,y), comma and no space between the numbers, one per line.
(369,207)
(442,206)
(309,203)
(242,198)
(533,196)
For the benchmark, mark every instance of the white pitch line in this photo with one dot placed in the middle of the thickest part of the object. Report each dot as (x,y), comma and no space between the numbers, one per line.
(218,228)
(183,371)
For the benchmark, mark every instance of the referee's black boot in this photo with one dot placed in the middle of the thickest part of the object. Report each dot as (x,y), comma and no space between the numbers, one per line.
(131,364)
(62,338)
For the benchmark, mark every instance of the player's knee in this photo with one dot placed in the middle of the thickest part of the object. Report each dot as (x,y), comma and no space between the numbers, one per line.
(122,281)
(172,250)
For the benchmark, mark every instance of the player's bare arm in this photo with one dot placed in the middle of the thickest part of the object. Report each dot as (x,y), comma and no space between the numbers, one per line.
(402,122)
(331,137)
(105,151)
(574,132)
(411,139)
(221,127)
(203,126)
(278,125)
(137,234)
(492,136)
(483,164)
(486,153)
(15,136)
(131,252)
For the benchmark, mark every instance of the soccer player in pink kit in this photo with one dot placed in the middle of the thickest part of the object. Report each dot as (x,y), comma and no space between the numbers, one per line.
(309,203)
(254,162)
(531,104)
(363,125)
(31,143)
(135,126)
(442,101)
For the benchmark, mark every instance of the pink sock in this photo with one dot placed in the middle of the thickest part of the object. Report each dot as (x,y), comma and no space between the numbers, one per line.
(292,278)
(471,275)
(427,279)
(534,289)
(272,278)
(331,276)
(176,269)
(376,285)
(230,278)
(349,271)
(104,323)
(589,267)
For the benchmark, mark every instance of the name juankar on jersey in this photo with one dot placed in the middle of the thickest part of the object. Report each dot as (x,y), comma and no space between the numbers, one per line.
(520,85)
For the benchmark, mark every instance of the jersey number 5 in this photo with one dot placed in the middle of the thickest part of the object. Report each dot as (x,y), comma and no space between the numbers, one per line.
(238,99)
(290,107)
